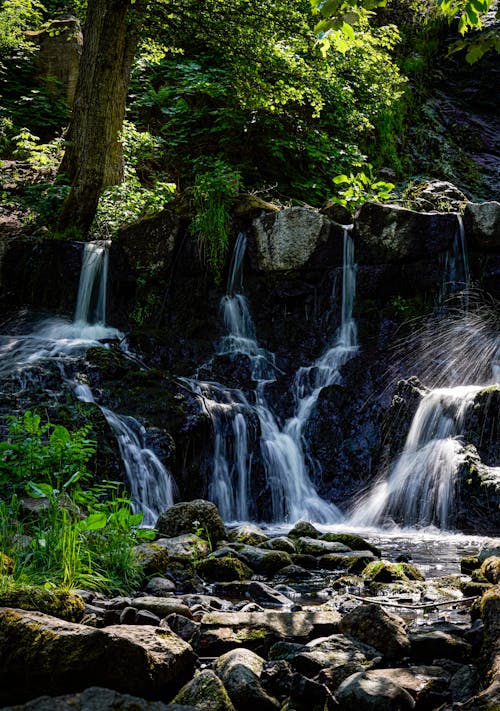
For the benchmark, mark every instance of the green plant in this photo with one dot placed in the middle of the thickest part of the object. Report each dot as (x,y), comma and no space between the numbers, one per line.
(361,187)
(215,187)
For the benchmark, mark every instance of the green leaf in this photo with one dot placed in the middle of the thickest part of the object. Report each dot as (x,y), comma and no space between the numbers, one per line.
(40,490)
(339,179)
(93,522)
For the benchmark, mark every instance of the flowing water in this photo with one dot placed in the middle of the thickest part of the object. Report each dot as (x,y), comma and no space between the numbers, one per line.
(236,419)
(56,339)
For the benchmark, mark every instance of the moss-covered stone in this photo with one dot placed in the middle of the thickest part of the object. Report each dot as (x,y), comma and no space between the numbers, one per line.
(223,569)
(355,543)
(6,564)
(205,692)
(490,569)
(249,534)
(59,603)
(304,529)
(469,564)
(190,517)
(151,558)
(384,572)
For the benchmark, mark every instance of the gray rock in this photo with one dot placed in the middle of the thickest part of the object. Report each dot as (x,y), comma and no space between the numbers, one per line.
(488,552)
(334,651)
(280,543)
(464,683)
(187,629)
(185,548)
(187,517)
(42,654)
(312,546)
(249,534)
(288,239)
(160,587)
(206,692)
(428,685)
(128,616)
(144,617)
(374,626)
(427,645)
(263,561)
(304,529)
(371,692)
(162,606)
(261,592)
(240,671)
(482,224)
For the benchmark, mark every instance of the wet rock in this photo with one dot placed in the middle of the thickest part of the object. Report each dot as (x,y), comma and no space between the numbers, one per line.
(469,564)
(429,644)
(249,534)
(205,692)
(309,562)
(188,516)
(487,552)
(97,699)
(355,562)
(149,244)
(42,654)
(289,239)
(222,631)
(223,569)
(372,692)
(389,234)
(276,678)
(372,625)
(464,683)
(482,224)
(240,671)
(151,558)
(280,543)
(263,561)
(332,677)
(187,629)
(162,606)
(59,603)
(312,546)
(385,572)
(331,652)
(293,573)
(304,529)
(261,592)
(337,213)
(490,568)
(355,543)
(160,587)
(427,685)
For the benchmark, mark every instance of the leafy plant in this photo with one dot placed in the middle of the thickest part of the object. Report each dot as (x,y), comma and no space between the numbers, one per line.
(361,187)
(216,185)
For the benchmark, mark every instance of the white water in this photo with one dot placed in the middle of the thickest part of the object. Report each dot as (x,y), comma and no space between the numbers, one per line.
(282,448)
(59,340)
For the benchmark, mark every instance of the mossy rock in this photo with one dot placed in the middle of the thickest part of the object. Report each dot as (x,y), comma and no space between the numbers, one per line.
(469,564)
(223,570)
(490,570)
(190,516)
(304,529)
(58,603)
(384,572)
(6,564)
(151,558)
(355,543)
(249,534)
(205,692)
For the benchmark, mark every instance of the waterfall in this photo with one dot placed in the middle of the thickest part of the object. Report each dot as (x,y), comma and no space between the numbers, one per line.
(57,339)
(420,488)
(456,274)
(282,448)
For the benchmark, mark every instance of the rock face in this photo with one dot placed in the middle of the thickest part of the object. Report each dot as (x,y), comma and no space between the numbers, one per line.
(387,234)
(482,224)
(59,56)
(186,517)
(41,654)
(288,239)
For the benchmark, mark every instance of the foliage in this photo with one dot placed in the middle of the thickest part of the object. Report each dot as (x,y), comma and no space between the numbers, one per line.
(360,187)
(76,536)
(16,16)
(469,13)
(216,185)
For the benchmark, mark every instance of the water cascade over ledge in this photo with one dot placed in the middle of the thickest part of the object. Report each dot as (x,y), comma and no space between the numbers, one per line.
(236,419)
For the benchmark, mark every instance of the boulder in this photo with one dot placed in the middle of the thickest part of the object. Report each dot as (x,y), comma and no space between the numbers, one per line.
(59,603)
(97,699)
(429,644)
(162,606)
(190,516)
(249,534)
(290,238)
(304,529)
(280,543)
(150,557)
(160,587)
(438,195)
(331,652)
(490,568)
(260,592)
(240,671)
(205,692)
(373,625)
(263,561)
(482,224)
(428,685)
(384,572)
(223,569)
(42,654)
(185,628)
(187,548)
(316,546)
(386,234)
(355,543)
(149,244)
(372,692)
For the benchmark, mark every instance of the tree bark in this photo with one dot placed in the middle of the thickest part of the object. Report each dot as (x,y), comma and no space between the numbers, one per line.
(93,156)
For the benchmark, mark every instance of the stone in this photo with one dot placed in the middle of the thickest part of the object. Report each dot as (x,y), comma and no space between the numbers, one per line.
(223,569)
(160,587)
(263,561)
(223,631)
(249,534)
(261,592)
(128,616)
(337,213)
(280,543)
(287,239)
(386,234)
(490,568)
(487,552)
(304,529)
(353,562)
(373,625)
(482,224)
(144,617)
(372,692)
(59,603)
(42,654)
(330,652)
(469,564)
(464,683)
(293,573)
(384,572)
(162,606)
(427,645)
(149,244)
(428,685)
(276,678)
(150,557)
(189,516)
(313,546)
(205,692)
(240,671)
(186,629)
(97,699)
(355,543)
(185,548)
(308,694)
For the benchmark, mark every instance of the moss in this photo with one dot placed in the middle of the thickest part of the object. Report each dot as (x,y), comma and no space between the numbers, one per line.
(225,569)
(59,603)
(355,543)
(151,558)
(384,572)
(468,565)
(6,564)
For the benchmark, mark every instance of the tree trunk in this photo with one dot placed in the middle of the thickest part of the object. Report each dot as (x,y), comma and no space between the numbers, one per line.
(93,156)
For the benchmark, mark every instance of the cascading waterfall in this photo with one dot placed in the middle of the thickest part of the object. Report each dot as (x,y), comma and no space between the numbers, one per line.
(283,450)
(56,339)
(420,486)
